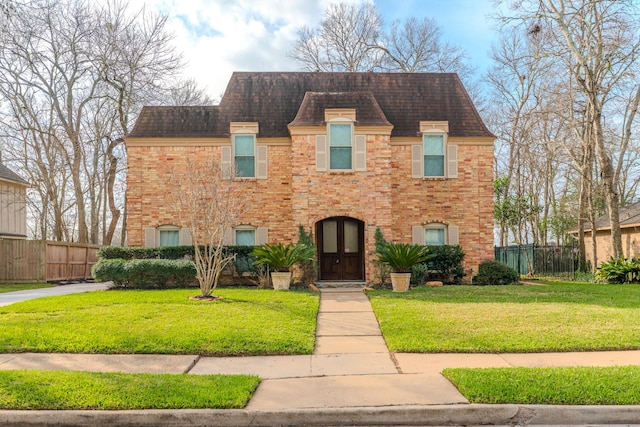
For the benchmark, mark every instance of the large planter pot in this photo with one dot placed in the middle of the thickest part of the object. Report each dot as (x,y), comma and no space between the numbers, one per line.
(281,280)
(400,281)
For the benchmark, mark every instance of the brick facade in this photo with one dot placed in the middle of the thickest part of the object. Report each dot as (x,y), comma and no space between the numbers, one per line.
(384,195)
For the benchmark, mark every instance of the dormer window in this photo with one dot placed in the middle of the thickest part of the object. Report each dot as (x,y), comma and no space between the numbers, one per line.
(340,146)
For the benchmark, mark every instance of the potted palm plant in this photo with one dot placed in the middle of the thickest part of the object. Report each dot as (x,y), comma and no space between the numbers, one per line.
(280,258)
(400,257)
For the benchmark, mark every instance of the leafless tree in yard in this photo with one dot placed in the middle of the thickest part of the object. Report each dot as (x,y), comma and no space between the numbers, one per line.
(598,45)
(209,204)
(73,76)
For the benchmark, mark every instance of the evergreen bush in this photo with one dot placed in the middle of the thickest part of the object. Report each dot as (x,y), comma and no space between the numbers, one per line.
(145,273)
(492,272)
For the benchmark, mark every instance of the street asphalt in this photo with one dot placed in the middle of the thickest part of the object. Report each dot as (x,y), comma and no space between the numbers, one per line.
(351,380)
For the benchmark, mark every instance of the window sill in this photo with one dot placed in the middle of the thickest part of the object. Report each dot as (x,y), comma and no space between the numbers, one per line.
(342,172)
(435,178)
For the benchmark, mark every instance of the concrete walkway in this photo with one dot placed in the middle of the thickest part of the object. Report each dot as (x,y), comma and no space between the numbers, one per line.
(351,378)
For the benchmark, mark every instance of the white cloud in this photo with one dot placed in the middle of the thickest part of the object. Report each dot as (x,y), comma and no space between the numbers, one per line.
(218,37)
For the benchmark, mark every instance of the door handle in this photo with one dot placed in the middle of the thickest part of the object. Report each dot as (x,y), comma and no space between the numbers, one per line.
(337,260)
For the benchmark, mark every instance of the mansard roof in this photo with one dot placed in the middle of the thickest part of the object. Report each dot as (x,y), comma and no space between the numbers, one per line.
(277,99)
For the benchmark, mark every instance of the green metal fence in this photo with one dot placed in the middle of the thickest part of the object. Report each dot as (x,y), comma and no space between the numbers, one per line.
(537,262)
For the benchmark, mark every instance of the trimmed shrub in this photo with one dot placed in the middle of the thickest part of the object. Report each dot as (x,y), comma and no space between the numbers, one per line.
(495,273)
(145,273)
(620,270)
(446,264)
(241,266)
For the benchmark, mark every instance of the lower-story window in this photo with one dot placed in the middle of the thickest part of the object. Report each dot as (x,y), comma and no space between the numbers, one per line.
(245,237)
(434,234)
(168,236)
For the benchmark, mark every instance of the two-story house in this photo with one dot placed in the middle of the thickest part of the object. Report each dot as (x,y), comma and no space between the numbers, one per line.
(13,205)
(338,153)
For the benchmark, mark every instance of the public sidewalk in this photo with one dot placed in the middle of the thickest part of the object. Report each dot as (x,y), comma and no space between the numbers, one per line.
(351,379)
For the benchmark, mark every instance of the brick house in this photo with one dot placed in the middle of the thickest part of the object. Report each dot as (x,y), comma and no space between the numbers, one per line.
(629,228)
(339,153)
(13,205)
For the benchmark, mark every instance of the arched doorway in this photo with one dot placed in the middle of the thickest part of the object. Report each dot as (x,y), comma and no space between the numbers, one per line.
(340,248)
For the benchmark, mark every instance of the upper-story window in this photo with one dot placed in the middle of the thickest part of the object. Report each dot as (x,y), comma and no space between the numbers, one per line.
(340,146)
(341,149)
(244,153)
(434,155)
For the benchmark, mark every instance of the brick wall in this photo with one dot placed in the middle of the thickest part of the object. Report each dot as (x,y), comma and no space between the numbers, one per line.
(383,196)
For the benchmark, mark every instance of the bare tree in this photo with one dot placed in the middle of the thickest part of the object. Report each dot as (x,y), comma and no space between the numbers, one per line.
(209,204)
(598,44)
(73,75)
(353,38)
(346,40)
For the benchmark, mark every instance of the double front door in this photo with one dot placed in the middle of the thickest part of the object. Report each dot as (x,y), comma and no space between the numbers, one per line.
(341,248)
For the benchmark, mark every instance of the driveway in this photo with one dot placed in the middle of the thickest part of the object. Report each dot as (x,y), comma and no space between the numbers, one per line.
(11,297)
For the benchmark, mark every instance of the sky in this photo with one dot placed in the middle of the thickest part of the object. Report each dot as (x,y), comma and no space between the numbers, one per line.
(218,37)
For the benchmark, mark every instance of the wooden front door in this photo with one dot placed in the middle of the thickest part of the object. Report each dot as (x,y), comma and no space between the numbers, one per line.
(341,248)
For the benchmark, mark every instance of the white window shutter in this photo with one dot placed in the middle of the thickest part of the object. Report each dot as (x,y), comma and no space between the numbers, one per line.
(417,235)
(262,235)
(454,239)
(225,162)
(452,161)
(417,162)
(185,237)
(361,153)
(321,153)
(150,237)
(261,162)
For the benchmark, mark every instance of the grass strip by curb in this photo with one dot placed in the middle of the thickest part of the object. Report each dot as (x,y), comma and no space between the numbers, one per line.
(617,385)
(69,390)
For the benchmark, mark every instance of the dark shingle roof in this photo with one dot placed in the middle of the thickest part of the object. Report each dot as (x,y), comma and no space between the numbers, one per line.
(311,111)
(179,122)
(8,175)
(273,99)
(629,216)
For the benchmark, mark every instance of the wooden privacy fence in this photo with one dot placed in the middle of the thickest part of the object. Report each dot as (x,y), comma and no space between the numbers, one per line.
(45,261)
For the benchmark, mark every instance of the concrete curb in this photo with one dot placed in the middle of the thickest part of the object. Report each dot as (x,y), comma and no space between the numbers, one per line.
(437,415)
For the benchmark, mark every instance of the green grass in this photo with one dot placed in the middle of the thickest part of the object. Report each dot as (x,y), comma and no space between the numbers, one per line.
(486,319)
(244,322)
(12,287)
(618,385)
(116,391)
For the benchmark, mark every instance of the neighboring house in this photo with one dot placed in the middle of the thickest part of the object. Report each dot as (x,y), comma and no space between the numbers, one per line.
(338,153)
(13,205)
(629,228)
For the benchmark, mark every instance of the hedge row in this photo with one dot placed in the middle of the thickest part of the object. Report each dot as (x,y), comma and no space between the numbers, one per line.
(165,252)
(146,273)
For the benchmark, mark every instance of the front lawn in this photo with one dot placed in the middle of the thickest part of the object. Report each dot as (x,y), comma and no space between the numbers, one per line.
(617,385)
(63,390)
(244,322)
(487,319)
(12,287)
